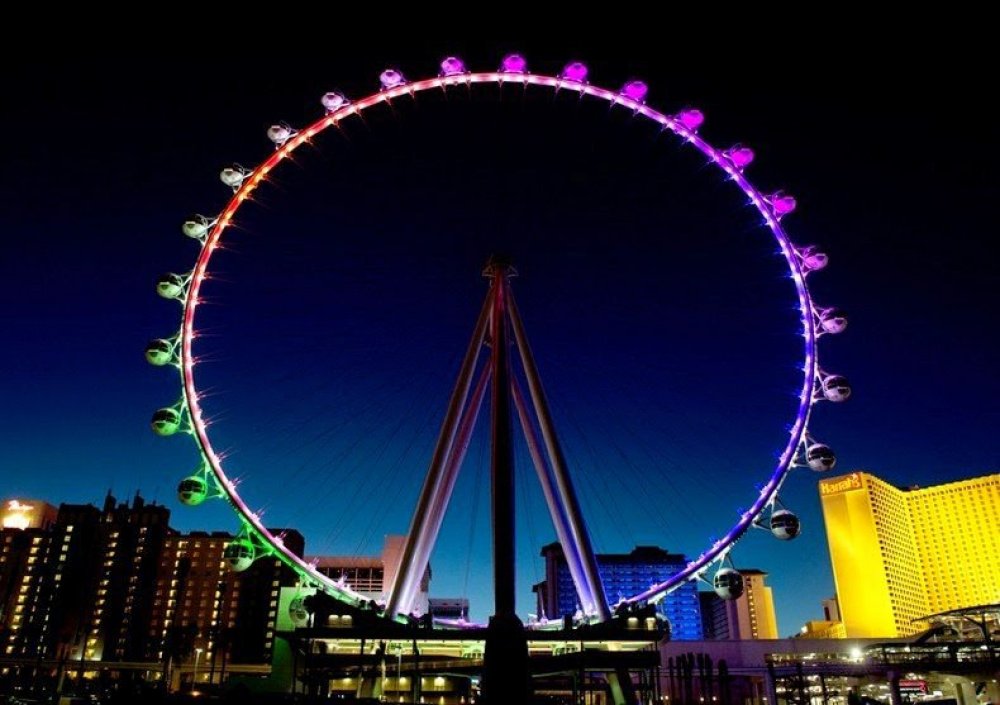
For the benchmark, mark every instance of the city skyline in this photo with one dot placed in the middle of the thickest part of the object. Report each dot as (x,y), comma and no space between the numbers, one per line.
(918,417)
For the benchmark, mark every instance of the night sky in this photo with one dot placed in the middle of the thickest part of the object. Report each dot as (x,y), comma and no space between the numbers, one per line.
(663,322)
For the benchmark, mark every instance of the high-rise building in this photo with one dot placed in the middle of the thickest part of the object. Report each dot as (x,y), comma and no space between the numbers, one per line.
(901,554)
(117,585)
(81,587)
(623,575)
(750,616)
(202,606)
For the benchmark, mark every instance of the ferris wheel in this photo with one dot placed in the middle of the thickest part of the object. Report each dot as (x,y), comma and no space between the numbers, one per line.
(499,327)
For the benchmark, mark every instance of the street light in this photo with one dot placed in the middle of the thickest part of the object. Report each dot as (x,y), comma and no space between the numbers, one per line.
(194,677)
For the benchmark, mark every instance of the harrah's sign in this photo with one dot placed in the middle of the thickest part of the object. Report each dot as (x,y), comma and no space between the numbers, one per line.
(843,484)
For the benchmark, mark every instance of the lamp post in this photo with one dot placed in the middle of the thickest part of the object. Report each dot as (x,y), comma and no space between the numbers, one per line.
(194,677)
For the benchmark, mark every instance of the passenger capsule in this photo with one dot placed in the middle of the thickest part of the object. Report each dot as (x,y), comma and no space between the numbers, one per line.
(166,421)
(728,583)
(333,101)
(635,90)
(452,66)
(833,320)
(192,491)
(297,611)
(690,118)
(280,133)
(812,259)
(785,525)
(233,176)
(390,78)
(196,228)
(514,63)
(740,156)
(820,457)
(239,555)
(171,286)
(159,352)
(836,388)
(781,203)
(575,71)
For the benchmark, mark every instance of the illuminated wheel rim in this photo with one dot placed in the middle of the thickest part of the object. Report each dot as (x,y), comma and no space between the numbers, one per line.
(799,260)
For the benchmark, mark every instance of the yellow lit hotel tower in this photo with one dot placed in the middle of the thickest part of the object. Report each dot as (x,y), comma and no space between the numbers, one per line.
(902,554)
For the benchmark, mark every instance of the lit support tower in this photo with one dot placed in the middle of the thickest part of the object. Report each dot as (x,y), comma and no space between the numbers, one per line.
(498,319)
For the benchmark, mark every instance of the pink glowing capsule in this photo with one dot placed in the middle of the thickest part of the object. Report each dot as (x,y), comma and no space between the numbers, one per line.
(514,63)
(635,90)
(691,118)
(452,66)
(390,78)
(575,72)
(740,156)
(782,203)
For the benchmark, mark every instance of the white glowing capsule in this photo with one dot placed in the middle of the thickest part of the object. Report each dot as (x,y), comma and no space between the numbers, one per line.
(280,133)
(785,525)
(333,101)
(728,584)
(820,457)
(836,388)
(233,176)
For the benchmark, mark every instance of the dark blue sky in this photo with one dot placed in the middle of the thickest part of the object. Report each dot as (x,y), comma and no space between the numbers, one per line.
(655,303)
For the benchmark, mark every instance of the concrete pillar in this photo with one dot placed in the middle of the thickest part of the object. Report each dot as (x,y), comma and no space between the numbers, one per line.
(770,687)
(895,697)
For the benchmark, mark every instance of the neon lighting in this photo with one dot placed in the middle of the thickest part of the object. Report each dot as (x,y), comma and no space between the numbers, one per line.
(514,68)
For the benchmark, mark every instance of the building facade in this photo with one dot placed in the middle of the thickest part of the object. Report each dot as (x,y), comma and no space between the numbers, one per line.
(80,588)
(204,609)
(623,575)
(83,588)
(372,576)
(750,616)
(901,554)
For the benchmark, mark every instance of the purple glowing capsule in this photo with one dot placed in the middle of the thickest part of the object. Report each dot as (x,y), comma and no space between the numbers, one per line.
(452,66)
(575,72)
(781,203)
(635,90)
(333,101)
(691,118)
(740,156)
(812,258)
(833,320)
(390,78)
(514,63)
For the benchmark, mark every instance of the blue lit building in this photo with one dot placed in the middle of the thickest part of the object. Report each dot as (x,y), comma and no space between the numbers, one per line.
(623,575)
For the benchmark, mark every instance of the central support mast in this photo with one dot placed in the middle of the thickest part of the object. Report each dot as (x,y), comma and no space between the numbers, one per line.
(506,676)
(502,452)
